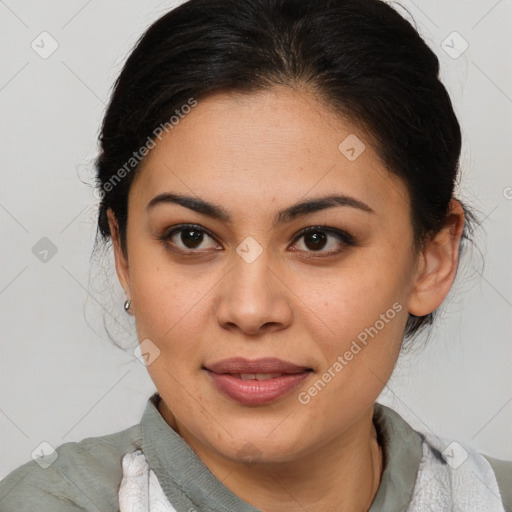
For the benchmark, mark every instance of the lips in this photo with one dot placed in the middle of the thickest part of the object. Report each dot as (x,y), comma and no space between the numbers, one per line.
(266,365)
(256,382)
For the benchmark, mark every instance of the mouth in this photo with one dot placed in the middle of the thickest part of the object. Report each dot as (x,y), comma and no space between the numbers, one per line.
(256,382)
(263,366)
(256,376)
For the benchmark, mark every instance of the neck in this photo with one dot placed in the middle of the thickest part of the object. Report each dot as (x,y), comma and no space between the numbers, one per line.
(343,475)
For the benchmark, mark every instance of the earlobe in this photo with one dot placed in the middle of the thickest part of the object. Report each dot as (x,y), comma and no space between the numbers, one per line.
(438,265)
(120,259)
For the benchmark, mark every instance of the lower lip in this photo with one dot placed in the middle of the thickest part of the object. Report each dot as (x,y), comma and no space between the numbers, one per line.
(257,392)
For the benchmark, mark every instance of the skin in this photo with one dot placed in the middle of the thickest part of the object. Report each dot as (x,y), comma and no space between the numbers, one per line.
(254,155)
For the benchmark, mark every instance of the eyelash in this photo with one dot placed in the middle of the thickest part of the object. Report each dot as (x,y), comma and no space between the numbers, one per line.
(345,239)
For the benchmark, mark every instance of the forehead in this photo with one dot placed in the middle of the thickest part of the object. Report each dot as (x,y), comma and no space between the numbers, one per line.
(279,145)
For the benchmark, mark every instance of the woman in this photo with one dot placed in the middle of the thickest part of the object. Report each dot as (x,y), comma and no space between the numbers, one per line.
(276,178)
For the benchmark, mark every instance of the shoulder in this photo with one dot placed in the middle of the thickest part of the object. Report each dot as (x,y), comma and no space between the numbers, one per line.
(84,476)
(438,448)
(503,472)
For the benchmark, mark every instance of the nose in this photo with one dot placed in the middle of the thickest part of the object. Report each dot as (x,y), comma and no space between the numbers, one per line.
(253,298)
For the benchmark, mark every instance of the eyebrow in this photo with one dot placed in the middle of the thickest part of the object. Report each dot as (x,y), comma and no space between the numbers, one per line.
(287,215)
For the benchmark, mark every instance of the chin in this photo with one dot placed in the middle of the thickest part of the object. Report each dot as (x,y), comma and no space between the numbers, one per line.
(259,449)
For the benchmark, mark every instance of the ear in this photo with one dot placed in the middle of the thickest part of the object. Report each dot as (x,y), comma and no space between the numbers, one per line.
(120,259)
(438,265)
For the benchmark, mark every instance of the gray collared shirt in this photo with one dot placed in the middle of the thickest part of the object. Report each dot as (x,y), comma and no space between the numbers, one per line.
(86,475)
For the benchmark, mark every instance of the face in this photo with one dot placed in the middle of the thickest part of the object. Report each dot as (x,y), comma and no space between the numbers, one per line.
(241,271)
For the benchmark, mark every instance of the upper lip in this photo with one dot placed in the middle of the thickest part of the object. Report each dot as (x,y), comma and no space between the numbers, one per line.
(236,365)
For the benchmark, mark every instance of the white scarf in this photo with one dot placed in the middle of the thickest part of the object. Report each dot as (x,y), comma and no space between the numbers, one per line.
(464,484)
(140,489)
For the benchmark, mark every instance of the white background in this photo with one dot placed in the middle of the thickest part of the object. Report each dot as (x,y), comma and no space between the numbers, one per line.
(62,380)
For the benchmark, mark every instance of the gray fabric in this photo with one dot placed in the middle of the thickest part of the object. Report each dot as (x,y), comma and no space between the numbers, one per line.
(87,474)
(402,451)
(503,472)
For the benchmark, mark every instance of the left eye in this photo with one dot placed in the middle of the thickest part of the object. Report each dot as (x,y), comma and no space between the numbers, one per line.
(317,238)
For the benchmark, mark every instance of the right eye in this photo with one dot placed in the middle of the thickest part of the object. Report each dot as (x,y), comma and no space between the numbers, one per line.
(188,239)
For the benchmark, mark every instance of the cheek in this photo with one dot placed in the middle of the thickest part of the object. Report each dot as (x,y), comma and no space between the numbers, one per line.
(359,312)
(167,301)
(365,317)
(350,301)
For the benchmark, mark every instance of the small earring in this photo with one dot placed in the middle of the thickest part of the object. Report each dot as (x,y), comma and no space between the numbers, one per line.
(127,305)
